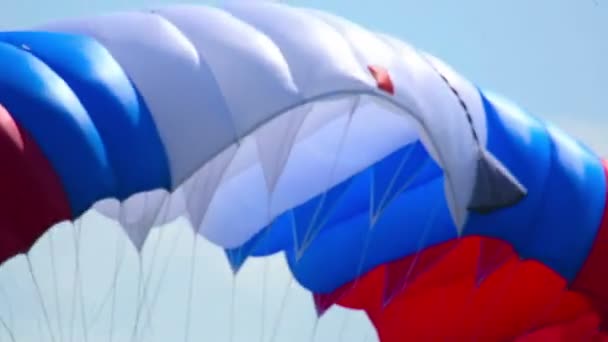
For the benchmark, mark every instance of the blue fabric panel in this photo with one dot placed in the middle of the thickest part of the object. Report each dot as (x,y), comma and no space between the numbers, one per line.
(339,231)
(44,105)
(135,152)
(555,224)
(558,221)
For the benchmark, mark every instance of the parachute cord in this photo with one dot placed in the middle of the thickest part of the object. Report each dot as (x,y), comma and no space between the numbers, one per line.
(142,294)
(312,231)
(8,330)
(193,254)
(281,309)
(77,284)
(190,288)
(83,317)
(421,241)
(232,309)
(138,297)
(496,298)
(374,217)
(11,316)
(117,267)
(163,272)
(391,184)
(45,312)
(263,309)
(343,325)
(76,238)
(39,329)
(156,292)
(107,297)
(143,285)
(265,272)
(373,222)
(55,284)
(315,329)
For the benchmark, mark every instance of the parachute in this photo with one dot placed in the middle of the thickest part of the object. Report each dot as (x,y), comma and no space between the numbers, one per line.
(390,183)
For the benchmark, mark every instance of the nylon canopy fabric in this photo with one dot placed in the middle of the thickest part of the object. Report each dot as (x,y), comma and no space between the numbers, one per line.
(387,180)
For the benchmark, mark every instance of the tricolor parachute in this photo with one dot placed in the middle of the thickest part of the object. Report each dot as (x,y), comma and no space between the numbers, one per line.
(390,183)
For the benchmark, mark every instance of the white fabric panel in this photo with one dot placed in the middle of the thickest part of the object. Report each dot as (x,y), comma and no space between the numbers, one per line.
(214,77)
(249,68)
(178,87)
(372,49)
(339,149)
(228,200)
(319,58)
(365,45)
(141,212)
(275,141)
(447,132)
(468,92)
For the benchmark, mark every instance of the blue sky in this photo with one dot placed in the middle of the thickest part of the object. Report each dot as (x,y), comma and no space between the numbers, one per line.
(547,55)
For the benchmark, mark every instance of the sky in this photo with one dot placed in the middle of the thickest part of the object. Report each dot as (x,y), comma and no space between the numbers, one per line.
(549,56)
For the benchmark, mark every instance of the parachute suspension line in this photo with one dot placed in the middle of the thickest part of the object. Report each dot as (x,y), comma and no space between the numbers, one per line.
(8,330)
(148,321)
(143,285)
(265,276)
(110,295)
(232,324)
(421,243)
(165,266)
(83,317)
(471,296)
(11,316)
(45,312)
(138,301)
(195,186)
(343,325)
(77,283)
(191,281)
(315,330)
(497,296)
(118,263)
(373,222)
(76,238)
(263,308)
(39,330)
(282,306)
(385,197)
(55,284)
(314,229)
(190,287)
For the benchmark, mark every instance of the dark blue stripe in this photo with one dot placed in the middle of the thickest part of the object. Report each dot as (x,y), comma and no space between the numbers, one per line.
(46,107)
(333,229)
(555,224)
(558,222)
(136,154)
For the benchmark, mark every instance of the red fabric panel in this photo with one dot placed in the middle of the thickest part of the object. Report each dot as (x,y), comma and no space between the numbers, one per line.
(31,198)
(578,330)
(472,289)
(593,277)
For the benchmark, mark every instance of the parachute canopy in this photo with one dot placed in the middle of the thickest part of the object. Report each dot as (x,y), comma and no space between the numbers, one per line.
(282,129)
